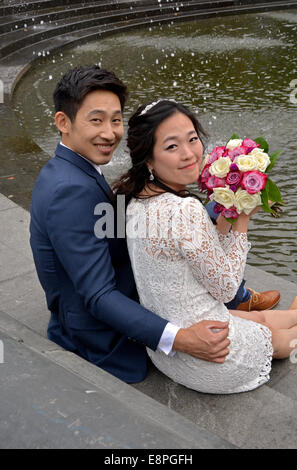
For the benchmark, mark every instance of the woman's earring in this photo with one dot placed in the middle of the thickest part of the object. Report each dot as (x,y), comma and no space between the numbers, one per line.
(151,175)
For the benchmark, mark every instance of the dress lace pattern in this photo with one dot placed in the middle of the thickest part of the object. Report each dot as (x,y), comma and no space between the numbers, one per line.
(185,271)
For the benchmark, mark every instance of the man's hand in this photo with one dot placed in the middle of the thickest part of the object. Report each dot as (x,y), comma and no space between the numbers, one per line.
(201,341)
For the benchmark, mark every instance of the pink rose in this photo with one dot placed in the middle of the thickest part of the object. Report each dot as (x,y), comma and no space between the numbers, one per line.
(234,177)
(250,144)
(217,153)
(201,186)
(205,173)
(253,181)
(238,151)
(230,213)
(214,182)
(218,208)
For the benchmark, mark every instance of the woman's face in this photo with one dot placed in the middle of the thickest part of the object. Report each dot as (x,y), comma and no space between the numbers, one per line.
(177,152)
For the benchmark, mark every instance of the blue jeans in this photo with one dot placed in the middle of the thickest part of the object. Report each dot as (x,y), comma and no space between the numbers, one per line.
(242,295)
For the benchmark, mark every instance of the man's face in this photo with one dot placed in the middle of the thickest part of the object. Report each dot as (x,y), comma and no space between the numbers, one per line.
(98,127)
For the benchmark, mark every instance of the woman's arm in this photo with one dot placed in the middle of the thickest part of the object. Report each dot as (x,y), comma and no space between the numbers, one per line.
(219,269)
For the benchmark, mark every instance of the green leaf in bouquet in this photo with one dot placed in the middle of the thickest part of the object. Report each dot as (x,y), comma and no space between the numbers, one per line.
(264,198)
(231,221)
(233,136)
(263,144)
(273,191)
(273,158)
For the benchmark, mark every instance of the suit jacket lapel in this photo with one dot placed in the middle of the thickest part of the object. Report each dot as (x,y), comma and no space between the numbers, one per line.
(103,183)
(75,159)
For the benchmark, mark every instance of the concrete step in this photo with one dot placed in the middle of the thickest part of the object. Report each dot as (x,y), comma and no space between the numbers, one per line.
(165,414)
(18,7)
(31,17)
(47,25)
(39,6)
(13,65)
(53,398)
(19,39)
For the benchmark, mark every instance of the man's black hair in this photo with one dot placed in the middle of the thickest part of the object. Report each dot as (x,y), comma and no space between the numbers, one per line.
(78,82)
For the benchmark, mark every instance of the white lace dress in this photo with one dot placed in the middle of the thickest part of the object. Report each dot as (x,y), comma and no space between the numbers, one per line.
(185,271)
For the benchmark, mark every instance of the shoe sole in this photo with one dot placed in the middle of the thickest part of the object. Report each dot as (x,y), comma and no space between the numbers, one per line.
(272,306)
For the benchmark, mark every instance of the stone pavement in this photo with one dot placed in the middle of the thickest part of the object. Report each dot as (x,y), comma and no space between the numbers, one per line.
(51,398)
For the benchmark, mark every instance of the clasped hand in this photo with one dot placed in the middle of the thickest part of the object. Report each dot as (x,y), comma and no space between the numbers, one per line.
(206,340)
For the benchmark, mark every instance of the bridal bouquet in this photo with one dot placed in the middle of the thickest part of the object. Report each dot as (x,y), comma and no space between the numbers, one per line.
(235,177)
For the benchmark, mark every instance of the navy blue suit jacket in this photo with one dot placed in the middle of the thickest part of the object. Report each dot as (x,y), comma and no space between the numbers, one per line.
(88,281)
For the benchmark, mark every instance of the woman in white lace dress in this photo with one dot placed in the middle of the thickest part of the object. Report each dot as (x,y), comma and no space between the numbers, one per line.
(186,268)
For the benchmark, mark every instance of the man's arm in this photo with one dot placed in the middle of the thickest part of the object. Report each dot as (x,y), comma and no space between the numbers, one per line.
(86,259)
(70,222)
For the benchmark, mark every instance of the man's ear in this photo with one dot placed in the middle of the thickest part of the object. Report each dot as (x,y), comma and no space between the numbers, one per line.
(63,122)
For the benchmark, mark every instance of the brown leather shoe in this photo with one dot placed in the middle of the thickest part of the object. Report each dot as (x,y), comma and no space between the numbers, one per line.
(260,300)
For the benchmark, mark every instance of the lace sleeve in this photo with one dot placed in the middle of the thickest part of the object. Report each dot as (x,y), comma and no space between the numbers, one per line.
(219,267)
(226,239)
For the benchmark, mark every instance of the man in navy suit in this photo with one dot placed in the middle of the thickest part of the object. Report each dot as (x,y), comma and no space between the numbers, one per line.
(88,280)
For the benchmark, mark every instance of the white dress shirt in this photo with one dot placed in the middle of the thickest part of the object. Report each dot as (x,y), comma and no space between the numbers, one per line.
(170,330)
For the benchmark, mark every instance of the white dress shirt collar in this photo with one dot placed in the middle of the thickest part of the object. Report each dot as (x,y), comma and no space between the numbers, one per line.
(97,167)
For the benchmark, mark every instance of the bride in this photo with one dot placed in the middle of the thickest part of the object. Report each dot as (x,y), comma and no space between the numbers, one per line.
(186,268)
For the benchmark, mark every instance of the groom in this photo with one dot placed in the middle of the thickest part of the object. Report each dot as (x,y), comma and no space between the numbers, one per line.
(88,281)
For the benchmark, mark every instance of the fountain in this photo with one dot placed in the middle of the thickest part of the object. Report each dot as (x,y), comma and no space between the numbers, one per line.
(236,74)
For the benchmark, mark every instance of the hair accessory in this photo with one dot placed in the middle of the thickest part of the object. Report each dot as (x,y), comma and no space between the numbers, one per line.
(150,106)
(151,175)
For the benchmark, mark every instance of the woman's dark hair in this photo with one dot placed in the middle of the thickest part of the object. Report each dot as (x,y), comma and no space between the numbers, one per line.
(78,82)
(141,140)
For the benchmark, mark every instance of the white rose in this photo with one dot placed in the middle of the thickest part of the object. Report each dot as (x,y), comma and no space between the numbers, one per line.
(262,159)
(220,168)
(233,144)
(246,162)
(243,201)
(223,196)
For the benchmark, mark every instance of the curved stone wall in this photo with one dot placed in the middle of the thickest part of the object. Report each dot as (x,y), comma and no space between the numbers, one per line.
(29,30)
